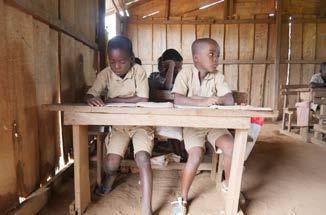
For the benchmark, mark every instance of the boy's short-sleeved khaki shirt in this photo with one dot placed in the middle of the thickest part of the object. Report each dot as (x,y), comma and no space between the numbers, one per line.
(187,83)
(135,83)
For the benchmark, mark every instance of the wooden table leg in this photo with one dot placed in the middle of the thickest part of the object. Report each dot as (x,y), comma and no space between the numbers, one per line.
(81,168)
(233,194)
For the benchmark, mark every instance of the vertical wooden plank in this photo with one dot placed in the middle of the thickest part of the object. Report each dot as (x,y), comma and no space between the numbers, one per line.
(81,168)
(321,41)
(296,53)
(8,180)
(257,84)
(174,36)
(67,86)
(145,45)
(159,40)
(309,50)
(217,33)
(19,33)
(269,86)
(258,75)
(67,11)
(45,69)
(133,36)
(203,31)
(231,53)
(246,32)
(188,37)
(285,41)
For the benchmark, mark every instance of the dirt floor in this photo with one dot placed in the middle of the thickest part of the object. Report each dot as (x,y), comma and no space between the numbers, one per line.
(282,176)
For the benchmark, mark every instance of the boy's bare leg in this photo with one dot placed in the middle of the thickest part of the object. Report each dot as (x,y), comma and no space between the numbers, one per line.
(112,165)
(225,143)
(146,178)
(195,156)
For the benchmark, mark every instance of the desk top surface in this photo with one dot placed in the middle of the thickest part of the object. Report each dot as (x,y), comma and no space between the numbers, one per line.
(189,111)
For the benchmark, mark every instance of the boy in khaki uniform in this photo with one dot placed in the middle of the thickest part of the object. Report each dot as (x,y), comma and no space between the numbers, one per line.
(203,86)
(125,82)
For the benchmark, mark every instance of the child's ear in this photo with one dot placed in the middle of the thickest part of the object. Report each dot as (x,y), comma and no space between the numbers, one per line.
(132,60)
(195,58)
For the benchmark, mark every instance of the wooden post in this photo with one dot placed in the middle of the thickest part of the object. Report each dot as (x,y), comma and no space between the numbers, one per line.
(101,36)
(81,168)
(277,53)
(233,194)
(167,9)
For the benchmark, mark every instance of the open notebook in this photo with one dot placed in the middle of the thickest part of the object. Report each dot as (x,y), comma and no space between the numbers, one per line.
(170,105)
(233,107)
(142,104)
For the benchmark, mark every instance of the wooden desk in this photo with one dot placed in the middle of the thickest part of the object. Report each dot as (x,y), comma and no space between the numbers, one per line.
(80,116)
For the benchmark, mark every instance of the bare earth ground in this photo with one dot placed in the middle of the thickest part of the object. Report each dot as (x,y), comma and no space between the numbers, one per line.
(283,176)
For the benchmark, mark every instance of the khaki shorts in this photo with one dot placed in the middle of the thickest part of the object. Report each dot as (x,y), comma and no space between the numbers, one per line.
(119,138)
(196,137)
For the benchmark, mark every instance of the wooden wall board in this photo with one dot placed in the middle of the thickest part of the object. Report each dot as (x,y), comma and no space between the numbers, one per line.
(186,8)
(247,9)
(271,41)
(261,41)
(174,37)
(8,181)
(283,81)
(321,41)
(231,76)
(159,40)
(245,72)
(67,86)
(67,11)
(50,6)
(257,84)
(269,86)
(145,42)
(188,37)
(308,71)
(246,41)
(133,36)
(19,34)
(309,41)
(301,7)
(46,77)
(217,33)
(296,53)
(285,41)
(231,41)
(203,31)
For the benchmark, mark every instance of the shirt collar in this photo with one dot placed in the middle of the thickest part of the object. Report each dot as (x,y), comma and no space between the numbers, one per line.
(117,78)
(209,75)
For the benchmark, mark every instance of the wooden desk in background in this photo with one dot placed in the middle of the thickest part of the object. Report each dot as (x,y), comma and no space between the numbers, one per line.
(80,116)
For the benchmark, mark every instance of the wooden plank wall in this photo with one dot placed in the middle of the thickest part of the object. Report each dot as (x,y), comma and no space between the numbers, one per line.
(246,50)
(40,65)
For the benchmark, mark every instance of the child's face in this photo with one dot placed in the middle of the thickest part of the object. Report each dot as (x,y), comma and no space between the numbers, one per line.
(207,58)
(120,61)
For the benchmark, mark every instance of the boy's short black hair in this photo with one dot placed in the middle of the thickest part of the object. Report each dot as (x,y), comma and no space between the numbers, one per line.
(138,61)
(171,54)
(121,42)
(197,44)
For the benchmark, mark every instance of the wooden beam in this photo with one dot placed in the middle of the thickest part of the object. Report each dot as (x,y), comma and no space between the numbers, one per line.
(277,53)
(39,14)
(188,61)
(231,8)
(226,9)
(133,20)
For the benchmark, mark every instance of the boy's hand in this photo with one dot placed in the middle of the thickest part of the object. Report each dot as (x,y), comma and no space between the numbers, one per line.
(212,101)
(95,101)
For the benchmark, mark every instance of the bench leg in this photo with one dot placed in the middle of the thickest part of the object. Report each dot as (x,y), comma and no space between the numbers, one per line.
(219,172)
(99,160)
(214,165)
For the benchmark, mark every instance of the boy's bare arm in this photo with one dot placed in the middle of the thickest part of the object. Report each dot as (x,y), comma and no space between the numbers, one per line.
(93,101)
(227,99)
(133,99)
(169,74)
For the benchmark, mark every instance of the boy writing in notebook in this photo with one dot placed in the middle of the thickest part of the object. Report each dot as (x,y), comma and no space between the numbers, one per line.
(125,82)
